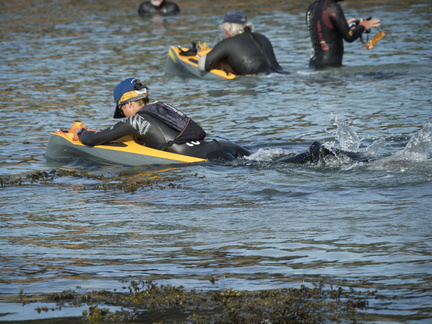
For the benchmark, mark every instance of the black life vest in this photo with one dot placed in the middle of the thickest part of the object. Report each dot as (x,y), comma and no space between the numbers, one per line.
(174,118)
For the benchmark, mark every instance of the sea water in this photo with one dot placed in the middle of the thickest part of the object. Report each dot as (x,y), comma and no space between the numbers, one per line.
(252,224)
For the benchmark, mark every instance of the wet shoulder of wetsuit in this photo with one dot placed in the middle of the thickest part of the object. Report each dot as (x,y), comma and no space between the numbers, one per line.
(317,152)
(171,8)
(146,8)
(314,154)
(152,131)
(246,53)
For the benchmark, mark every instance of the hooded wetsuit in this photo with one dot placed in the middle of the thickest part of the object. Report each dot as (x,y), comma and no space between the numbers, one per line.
(246,53)
(327,28)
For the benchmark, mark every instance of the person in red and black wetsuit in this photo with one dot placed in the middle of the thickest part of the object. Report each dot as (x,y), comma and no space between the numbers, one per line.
(328,28)
(243,51)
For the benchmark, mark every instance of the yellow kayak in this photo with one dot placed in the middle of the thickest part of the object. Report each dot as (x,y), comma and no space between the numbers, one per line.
(182,61)
(126,151)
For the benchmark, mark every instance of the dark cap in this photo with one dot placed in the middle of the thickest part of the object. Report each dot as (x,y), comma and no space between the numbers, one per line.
(129,89)
(236,17)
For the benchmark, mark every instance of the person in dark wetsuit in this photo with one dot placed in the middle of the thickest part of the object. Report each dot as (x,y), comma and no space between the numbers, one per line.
(242,51)
(154,125)
(317,152)
(157,125)
(328,28)
(158,7)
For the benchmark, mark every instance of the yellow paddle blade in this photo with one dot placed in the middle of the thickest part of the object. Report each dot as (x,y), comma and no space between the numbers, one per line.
(374,40)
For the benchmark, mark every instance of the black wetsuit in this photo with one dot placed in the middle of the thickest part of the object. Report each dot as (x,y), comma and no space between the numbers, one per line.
(167,8)
(327,28)
(317,152)
(150,131)
(246,53)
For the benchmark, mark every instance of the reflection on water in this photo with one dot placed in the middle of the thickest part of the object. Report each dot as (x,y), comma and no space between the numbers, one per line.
(252,223)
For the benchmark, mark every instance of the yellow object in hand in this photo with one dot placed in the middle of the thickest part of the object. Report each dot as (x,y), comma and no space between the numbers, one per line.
(374,40)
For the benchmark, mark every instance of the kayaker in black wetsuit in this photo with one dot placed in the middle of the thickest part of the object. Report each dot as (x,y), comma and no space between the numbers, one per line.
(242,51)
(157,125)
(158,7)
(328,28)
(163,127)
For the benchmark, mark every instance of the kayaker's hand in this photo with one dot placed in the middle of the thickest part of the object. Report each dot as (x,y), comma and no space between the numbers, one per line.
(368,24)
(77,130)
(75,136)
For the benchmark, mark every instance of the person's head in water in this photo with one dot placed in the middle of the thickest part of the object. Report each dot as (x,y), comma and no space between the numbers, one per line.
(130,95)
(157,3)
(234,23)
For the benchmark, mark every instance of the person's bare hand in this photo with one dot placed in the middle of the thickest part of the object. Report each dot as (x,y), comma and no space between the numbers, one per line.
(77,130)
(368,24)
(75,136)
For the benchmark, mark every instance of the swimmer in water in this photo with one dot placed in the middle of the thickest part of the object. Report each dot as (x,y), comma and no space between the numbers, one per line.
(158,7)
(243,51)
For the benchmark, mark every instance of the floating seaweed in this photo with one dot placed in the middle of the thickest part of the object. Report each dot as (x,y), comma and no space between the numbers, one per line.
(145,301)
(99,182)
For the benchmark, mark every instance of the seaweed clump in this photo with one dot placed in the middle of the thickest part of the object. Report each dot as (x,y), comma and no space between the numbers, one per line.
(98,182)
(144,301)
(46,177)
